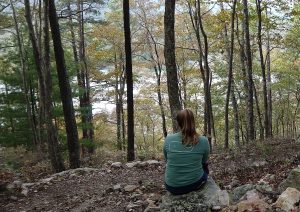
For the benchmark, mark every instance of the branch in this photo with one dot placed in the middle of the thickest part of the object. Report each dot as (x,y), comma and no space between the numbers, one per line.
(5,47)
(4,7)
(73,14)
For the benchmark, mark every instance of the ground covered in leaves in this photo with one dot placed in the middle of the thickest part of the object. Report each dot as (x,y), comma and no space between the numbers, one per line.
(121,187)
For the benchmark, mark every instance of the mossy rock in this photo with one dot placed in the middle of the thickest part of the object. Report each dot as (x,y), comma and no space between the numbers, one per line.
(201,200)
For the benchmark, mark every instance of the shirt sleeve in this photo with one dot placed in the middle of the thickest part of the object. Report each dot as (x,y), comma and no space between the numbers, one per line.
(207,150)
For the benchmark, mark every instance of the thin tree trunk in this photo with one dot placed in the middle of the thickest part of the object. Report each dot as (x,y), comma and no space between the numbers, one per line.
(55,155)
(263,69)
(236,116)
(207,84)
(38,64)
(250,113)
(129,80)
(230,75)
(65,89)
(160,101)
(118,106)
(269,91)
(170,60)
(79,78)
(24,80)
(261,127)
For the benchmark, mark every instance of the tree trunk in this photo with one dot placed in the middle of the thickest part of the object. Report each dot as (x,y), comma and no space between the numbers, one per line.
(269,96)
(38,64)
(53,146)
(207,84)
(236,116)
(80,81)
(171,68)
(261,127)
(24,80)
(160,101)
(118,106)
(230,75)
(65,89)
(263,69)
(86,107)
(129,80)
(250,113)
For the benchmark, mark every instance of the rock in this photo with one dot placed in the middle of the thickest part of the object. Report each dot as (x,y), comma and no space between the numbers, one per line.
(47,180)
(10,187)
(288,199)
(116,165)
(202,200)
(252,194)
(132,207)
(141,164)
(259,163)
(117,187)
(264,188)
(17,184)
(130,188)
(153,162)
(293,180)
(130,165)
(24,191)
(240,191)
(253,205)
(266,179)
(14,198)
(152,209)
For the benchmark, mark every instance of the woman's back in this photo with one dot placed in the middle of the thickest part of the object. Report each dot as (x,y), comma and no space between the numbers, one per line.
(184,162)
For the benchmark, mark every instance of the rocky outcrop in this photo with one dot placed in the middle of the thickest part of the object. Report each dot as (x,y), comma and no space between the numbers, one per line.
(288,200)
(208,197)
(293,180)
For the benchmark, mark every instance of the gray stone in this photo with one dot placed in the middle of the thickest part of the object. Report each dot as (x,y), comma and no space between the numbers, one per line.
(153,162)
(130,165)
(24,191)
(264,188)
(117,187)
(17,184)
(288,199)
(293,180)
(132,207)
(259,163)
(116,164)
(208,196)
(130,188)
(14,198)
(240,191)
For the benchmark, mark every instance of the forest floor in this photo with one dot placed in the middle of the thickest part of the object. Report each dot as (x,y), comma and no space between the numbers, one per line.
(109,188)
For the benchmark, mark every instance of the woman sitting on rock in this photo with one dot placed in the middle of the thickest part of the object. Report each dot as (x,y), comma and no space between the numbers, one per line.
(186,154)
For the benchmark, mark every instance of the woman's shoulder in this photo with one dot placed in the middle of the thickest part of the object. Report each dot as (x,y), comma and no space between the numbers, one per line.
(203,139)
(174,135)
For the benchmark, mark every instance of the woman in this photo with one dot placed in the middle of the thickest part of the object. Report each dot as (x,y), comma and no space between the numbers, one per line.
(186,154)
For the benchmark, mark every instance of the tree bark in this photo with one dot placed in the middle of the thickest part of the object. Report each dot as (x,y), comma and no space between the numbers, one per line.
(269,82)
(263,69)
(171,68)
(24,80)
(250,113)
(129,80)
(65,89)
(230,75)
(38,64)
(52,138)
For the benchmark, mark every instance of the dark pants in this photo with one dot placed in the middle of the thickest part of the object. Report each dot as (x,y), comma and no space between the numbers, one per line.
(188,188)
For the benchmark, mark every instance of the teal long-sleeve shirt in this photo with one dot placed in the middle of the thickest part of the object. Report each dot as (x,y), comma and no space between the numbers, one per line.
(184,162)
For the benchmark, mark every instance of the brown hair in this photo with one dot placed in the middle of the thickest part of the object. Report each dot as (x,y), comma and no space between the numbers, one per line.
(186,122)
